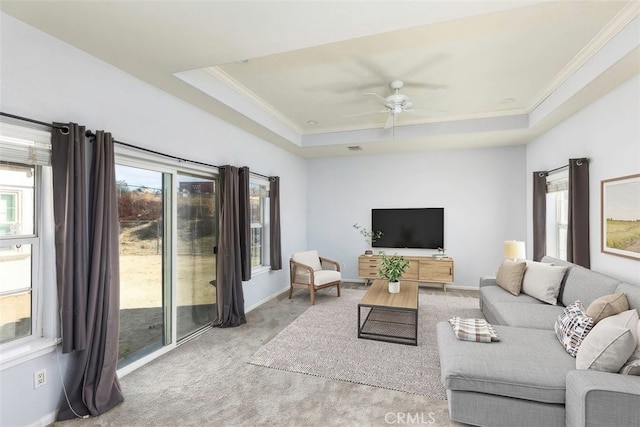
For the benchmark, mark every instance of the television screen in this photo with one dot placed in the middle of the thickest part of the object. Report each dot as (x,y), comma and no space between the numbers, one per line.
(409,228)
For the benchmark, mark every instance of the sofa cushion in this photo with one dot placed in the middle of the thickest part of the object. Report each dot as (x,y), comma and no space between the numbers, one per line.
(510,274)
(542,281)
(632,366)
(610,343)
(608,305)
(572,327)
(536,316)
(492,298)
(586,285)
(526,364)
(632,292)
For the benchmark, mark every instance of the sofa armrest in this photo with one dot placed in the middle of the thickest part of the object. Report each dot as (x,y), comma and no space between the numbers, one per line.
(597,398)
(488,281)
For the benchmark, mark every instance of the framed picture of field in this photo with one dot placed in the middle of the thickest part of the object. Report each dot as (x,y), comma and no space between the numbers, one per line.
(620,216)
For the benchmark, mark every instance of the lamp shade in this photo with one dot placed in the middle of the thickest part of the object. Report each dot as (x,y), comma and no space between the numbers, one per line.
(514,250)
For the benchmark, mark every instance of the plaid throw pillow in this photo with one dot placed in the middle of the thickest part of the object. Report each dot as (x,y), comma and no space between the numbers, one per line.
(478,330)
(572,326)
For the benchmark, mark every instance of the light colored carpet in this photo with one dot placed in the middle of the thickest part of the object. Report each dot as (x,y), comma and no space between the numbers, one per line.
(323,342)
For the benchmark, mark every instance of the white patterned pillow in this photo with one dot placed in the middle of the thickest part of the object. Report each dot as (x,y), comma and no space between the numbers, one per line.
(572,326)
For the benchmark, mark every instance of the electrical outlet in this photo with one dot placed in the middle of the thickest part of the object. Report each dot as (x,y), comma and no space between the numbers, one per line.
(39,378)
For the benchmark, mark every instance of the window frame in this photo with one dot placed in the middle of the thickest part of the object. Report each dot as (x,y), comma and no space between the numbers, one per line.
(44,334)
(264,226)
(557,220)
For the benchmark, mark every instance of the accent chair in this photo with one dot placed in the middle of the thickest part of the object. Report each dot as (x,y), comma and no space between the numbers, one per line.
(309,270)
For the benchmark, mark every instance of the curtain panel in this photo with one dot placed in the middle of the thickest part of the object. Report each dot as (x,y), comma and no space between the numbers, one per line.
(578,225)
(230,297)
(86,223)
(539,214)
(275,249)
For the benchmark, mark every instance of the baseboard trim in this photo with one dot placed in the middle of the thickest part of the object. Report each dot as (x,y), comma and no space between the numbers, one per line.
(278,294)
(45,420)
(426,284)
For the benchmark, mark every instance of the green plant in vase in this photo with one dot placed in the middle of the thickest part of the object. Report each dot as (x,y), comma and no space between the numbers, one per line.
(370,236)
(392,268)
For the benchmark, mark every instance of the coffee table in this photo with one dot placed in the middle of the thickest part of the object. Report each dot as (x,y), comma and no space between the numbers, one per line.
(390,317)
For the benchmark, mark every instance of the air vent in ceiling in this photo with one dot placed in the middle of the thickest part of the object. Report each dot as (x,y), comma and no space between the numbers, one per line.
(354,148)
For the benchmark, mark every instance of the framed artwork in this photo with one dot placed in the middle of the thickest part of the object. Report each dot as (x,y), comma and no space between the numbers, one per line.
(620,216)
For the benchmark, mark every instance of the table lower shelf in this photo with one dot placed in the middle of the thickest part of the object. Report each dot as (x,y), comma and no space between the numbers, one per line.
(388,324)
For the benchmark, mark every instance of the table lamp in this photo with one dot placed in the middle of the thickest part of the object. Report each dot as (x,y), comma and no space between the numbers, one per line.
(514,250)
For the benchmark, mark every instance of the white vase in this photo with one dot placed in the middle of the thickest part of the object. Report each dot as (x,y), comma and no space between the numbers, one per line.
(394,287)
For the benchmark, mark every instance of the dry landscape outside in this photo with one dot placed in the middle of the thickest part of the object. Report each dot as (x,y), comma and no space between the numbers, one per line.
(142,298)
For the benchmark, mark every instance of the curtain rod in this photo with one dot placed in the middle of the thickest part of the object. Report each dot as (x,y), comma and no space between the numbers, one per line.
(38,122)
(558,169)
(89,133)
(578,162)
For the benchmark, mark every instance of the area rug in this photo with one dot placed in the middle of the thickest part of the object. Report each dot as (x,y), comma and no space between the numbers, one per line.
(323,341)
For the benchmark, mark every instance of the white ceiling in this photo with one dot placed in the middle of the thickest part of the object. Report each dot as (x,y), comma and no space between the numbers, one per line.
(295,73)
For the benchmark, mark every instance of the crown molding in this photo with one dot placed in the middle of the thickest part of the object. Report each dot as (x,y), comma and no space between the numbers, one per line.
(621,20)
(232,83)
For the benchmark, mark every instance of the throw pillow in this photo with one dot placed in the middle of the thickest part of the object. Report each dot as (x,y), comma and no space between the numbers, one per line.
(632,367)
(572,326)
(606,306)
(510,274)
(542,281)
(610,343)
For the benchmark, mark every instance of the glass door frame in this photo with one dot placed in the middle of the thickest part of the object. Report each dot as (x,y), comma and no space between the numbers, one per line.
(132,157)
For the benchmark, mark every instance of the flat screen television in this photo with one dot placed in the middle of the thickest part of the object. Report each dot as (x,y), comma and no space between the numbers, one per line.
(409,227)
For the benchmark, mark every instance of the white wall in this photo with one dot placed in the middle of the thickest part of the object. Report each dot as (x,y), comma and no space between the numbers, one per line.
(482,191)
(46,79)
(608,133)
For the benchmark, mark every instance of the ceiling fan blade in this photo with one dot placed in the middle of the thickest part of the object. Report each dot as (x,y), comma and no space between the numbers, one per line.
(390,120)
(378,97)
(367,113)
(425,112)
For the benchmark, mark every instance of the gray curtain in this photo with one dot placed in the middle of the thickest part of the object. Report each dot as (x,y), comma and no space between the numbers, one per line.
(274,216)
(86,219)
(578,225)
(245,221)
(539,214)
(230,298)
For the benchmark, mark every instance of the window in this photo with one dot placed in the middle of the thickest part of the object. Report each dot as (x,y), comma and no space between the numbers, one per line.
(26,215)
(259,202)
(18,247)
(557,214)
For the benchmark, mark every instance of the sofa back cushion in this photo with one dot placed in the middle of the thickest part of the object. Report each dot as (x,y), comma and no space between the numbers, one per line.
(632,293)
(583,284)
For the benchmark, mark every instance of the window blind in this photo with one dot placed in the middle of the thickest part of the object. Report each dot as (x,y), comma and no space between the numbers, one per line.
(16,146)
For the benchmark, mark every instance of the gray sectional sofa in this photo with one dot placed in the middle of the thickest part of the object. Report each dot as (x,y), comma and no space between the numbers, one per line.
(527,378)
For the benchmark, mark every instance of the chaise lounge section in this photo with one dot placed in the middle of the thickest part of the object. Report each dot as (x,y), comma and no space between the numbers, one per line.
(528,377)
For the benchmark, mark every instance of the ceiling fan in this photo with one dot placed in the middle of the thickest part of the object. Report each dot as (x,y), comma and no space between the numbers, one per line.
(396,104)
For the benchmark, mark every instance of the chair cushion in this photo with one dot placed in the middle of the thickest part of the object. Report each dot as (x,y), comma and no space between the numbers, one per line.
(309,258)
(321,277)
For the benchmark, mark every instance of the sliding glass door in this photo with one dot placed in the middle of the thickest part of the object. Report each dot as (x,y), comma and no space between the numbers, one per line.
(142,208)
(168,235)
(196,266)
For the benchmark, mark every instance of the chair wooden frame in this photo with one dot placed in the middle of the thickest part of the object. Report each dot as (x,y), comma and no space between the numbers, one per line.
(293,265)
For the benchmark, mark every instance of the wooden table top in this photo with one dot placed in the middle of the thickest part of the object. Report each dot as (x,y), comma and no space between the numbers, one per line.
(378,295)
